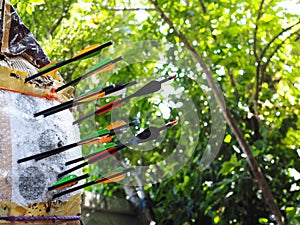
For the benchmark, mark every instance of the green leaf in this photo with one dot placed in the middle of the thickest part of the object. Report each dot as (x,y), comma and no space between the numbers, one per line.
(217,219)
(229,166)
(37,2)
(227,139)
(263,220)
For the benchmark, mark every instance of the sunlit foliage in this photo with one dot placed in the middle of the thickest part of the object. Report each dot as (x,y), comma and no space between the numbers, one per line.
(253,51)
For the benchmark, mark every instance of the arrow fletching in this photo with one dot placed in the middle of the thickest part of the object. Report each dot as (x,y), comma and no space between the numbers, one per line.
(151,87)
(88,52)
(102,148)
(116,125)
(100,111)
(104,65)
(67,182)
(115,176)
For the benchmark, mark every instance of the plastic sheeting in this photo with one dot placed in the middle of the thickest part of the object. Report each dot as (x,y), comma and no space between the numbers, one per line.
(16,38)
(21,56)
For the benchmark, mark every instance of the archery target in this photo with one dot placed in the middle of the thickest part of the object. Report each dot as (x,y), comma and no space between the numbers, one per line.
(27,178)
(22,135)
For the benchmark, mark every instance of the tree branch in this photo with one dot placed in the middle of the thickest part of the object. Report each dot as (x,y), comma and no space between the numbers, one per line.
(258,61)
(259,15)
(265,65)
(233,84)
(274,39)
(235,129)
(204,9)
(59,20)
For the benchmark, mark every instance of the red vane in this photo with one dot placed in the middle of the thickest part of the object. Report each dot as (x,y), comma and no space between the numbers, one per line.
(101,155)
(108,107)
(173,123)
(173,76)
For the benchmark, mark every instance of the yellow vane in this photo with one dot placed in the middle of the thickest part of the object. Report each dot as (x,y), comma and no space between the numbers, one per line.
(116,124)
(94,97)
(99,140)
(114,179)
(51,73)
(108,67)
(87,49)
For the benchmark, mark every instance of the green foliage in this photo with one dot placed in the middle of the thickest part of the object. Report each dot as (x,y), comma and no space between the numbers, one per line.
(224,33)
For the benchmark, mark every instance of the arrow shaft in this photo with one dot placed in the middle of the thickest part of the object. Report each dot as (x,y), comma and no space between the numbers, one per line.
(73,169)
(67,147)
(59,109)
(74,161)
(46,154)
(106,91)
(55,151)
(85,98)
(64,105)
(101,136)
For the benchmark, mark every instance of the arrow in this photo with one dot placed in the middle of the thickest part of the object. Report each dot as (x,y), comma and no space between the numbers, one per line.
(148,134)
(102,148)
(151,87)
(99,137)
(115,176)
(83,54)
(93,94)
(102,66)
(67,181)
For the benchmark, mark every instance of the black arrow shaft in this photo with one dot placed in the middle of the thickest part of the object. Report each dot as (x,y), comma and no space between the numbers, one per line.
(54,108)
(46,154)
(75,161)
(73,169)
(80,100)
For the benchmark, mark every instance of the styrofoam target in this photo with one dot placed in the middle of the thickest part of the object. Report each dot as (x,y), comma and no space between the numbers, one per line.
(24,135)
